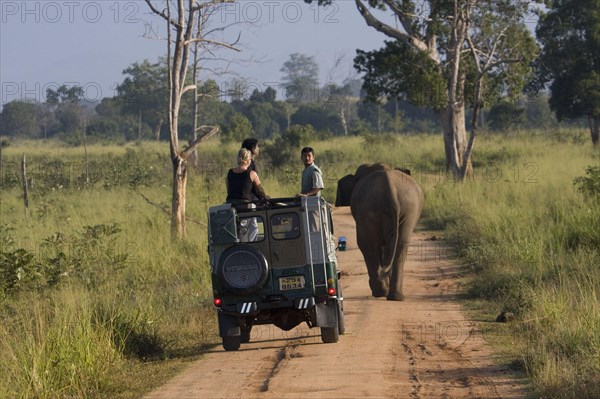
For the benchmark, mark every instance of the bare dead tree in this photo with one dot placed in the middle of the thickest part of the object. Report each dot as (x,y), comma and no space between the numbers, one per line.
(182,17)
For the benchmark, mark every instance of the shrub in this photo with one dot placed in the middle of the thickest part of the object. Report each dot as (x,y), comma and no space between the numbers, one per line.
(589,185)
(287,146)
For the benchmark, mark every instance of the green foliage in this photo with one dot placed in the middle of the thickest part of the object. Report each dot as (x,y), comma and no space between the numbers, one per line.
(18,118)
(398,69)
(531,244)
(237,128)
(590,184)
(372,140)
(87,258)
(568,32)
(300,78)
(144,92)
(286,148)
(317,116)
(505,116)
(138,168)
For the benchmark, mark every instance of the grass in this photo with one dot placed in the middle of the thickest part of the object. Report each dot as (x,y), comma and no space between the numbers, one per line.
(93,283)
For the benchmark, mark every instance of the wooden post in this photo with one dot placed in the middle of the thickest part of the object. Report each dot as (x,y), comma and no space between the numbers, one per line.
(24,184)
(85,161)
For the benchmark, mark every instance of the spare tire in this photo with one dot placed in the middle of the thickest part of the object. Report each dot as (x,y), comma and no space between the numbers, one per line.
(243,269)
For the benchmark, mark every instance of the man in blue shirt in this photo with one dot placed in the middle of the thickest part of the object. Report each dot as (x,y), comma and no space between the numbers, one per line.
(312,177)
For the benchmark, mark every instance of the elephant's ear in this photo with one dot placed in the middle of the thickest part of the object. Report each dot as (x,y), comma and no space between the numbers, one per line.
(344,190)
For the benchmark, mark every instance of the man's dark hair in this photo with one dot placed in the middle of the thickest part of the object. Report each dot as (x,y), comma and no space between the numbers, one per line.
(307,149)
(250,144)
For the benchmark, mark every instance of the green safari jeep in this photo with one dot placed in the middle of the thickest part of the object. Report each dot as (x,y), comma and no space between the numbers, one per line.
(274,263)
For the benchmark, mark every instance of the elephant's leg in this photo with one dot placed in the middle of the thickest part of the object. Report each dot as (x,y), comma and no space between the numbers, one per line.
(397,272)
(378,285)
(369,244)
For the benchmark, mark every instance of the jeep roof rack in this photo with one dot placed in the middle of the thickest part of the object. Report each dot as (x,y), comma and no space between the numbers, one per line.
(273,203)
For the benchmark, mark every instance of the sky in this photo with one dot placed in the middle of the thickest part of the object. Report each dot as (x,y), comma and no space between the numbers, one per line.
(45,44)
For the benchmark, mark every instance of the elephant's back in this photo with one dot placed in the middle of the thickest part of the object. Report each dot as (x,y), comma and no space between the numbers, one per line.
(388,189)
(408,191)
(372,192)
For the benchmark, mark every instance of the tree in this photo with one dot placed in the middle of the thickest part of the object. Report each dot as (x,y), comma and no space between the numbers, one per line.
(300,78)
(570,35)
(18,119)
(65,103)
(440,41)
(340,100)
(181,34)
(538,112)
(317,116)
(112,122)
(64,94)
(238,127)
(143,93)
(505,116)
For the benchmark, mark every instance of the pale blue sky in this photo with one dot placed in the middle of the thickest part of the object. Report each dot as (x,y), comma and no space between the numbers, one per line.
(48,43)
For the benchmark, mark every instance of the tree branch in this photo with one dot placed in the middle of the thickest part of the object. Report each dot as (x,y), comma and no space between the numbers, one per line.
(161,13)
(168,211)
(186,89)
(214,130)
(204,40)
(387,30)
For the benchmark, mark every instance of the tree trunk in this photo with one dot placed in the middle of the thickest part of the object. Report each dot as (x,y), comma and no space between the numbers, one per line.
(595,129)
(342,116)
(178,198)
(158,128)
(455,138)
(455,133)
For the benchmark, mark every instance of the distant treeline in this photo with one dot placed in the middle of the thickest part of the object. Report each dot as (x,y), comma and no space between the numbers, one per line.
(138,112)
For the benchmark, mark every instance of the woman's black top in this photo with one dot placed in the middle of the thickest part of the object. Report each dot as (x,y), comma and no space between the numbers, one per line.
(239,186)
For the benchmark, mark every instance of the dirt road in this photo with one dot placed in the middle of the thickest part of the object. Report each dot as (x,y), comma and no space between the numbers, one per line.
(422,347)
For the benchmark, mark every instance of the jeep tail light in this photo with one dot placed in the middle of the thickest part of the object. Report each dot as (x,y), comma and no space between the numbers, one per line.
(331,291)
(217,301)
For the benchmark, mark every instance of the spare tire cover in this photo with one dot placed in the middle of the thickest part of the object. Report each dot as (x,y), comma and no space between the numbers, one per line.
(243,269)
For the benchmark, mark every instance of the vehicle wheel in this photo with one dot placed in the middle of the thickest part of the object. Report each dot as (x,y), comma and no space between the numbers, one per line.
(341,323)
(245,334)
(330,335)
(231,343)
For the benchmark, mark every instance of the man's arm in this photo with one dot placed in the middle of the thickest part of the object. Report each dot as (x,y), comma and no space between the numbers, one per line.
(314,191)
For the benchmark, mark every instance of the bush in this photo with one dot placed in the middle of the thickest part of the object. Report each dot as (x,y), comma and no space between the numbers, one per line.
(287,146)
(589,185)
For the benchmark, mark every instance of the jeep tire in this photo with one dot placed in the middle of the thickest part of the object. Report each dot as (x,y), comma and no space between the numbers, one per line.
(231,342)
(243,269)
(340,316)
(331,335)
(245,334)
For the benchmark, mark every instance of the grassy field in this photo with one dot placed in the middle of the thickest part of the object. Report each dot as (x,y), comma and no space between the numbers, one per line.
(95,300)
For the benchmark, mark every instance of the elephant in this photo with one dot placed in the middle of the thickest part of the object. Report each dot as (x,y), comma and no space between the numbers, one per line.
(386,205)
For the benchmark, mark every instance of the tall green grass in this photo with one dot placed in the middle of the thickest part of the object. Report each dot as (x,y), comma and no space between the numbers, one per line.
(98,288)
(532,241)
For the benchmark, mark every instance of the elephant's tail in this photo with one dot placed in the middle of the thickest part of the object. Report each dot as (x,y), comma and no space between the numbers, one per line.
(391,230)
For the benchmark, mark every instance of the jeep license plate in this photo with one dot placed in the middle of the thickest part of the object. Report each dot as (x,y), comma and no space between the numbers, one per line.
(291,283)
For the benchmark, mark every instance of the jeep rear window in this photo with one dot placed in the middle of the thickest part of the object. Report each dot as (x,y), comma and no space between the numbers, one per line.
(285,226)
(251,229)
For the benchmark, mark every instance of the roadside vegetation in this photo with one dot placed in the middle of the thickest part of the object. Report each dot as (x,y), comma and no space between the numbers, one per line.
(97,301)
